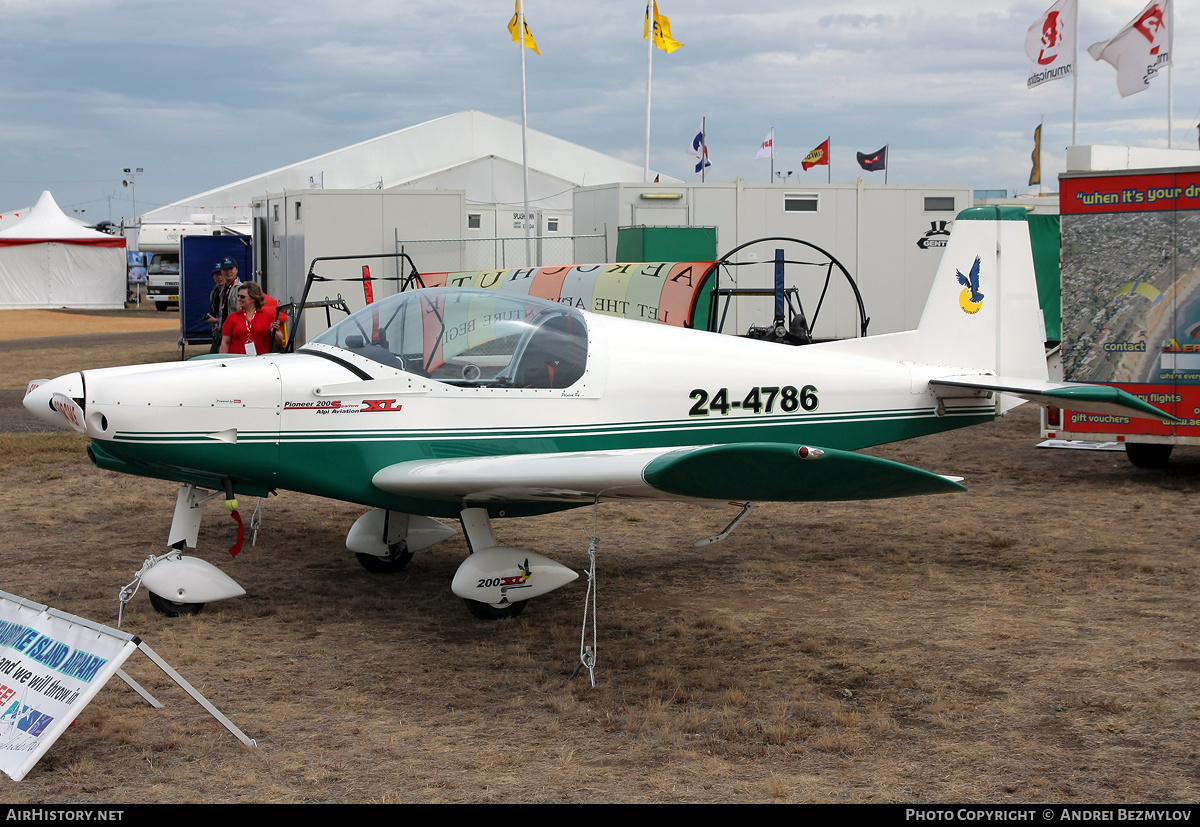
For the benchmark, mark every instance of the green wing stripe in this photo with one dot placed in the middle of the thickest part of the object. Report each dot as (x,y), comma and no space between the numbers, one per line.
(766,472)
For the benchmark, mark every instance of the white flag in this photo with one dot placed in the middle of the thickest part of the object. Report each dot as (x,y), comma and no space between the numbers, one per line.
(1140,49)
(767,150)
(317,182)
(1050,43)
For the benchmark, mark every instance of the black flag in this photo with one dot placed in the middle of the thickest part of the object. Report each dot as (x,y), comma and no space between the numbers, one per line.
(873,161)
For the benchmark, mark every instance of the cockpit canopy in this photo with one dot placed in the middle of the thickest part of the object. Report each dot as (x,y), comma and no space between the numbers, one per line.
(467,337)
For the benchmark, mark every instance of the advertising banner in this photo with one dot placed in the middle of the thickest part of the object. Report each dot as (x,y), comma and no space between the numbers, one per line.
(51,665)
(1131,293)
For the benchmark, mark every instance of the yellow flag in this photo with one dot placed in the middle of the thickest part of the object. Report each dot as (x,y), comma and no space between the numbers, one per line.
(662,30)
(1035,174)
(530,43)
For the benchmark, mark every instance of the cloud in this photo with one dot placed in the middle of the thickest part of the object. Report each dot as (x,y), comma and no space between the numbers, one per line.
(203,94)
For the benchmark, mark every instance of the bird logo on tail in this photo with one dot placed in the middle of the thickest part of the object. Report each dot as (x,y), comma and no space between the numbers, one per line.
(970,299)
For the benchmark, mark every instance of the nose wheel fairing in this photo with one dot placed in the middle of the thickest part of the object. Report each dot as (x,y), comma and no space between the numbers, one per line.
(190,580)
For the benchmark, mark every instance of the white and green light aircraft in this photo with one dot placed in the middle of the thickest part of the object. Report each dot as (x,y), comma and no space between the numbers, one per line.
(479,404)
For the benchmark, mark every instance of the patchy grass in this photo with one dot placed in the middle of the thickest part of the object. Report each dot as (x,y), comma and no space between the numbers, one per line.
(1030,641)
(32,450)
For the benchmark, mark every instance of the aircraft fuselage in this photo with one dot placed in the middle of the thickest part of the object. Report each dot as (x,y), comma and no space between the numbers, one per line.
(311,422)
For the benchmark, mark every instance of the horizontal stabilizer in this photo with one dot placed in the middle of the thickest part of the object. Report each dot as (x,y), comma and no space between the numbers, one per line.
(1103,399)
(761,471)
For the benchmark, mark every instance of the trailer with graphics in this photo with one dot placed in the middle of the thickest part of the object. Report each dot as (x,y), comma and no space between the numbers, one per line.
(1131,304)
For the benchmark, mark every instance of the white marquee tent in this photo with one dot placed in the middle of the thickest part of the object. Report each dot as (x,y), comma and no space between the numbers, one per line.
(472,151)
(47,260)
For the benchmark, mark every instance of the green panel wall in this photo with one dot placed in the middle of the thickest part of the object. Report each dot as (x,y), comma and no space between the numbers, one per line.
(666,244)
(1044,236)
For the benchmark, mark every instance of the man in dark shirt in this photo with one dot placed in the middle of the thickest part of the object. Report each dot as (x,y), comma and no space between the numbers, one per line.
(223,299)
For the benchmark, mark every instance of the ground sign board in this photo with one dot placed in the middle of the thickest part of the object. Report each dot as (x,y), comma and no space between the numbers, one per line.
(51,666)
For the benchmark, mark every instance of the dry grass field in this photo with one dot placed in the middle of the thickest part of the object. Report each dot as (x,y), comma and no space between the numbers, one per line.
(1033,640)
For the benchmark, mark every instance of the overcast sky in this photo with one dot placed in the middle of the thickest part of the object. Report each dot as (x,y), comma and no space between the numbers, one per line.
(202,94)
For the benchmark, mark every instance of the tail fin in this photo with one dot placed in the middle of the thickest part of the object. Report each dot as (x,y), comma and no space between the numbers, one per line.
(982,313)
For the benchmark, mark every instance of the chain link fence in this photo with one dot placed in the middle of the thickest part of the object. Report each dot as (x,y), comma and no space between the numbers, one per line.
(469,254)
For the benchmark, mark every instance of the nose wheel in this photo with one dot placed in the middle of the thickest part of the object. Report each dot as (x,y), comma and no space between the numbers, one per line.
(172,609)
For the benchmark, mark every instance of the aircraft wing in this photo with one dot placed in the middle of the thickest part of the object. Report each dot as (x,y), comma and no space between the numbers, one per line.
(1103,399)
(760,471)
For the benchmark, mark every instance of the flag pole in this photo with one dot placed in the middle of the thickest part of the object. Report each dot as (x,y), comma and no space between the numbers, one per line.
(886,162)
(1075,84)
(1170,94)
(829,160)
(524,132)
(649,69)
(703,147)
(1170,62)
(771,177)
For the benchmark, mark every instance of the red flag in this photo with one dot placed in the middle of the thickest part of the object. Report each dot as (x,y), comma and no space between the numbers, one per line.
(818,157)
(369,293)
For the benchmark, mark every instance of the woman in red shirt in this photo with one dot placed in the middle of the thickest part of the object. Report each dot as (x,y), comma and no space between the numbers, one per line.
(251,330)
